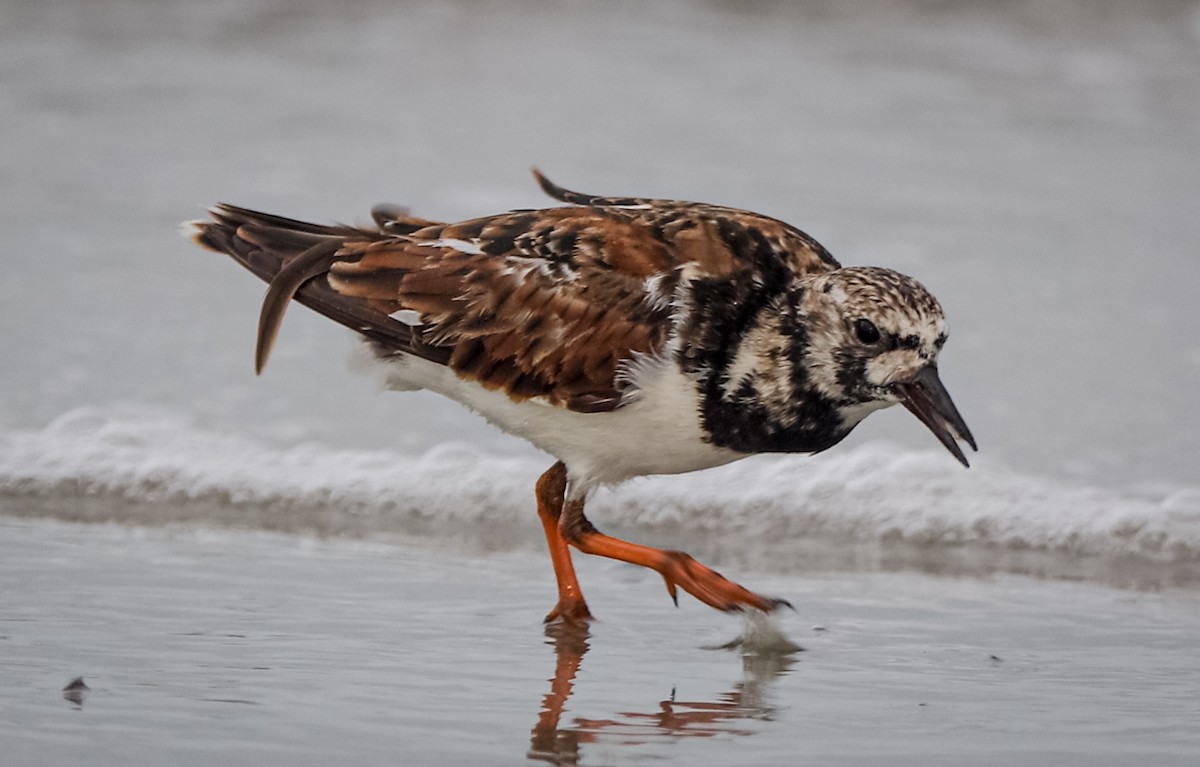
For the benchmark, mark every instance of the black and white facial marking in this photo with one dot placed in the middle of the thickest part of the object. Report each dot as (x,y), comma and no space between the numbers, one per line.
(802,364)
(868,329)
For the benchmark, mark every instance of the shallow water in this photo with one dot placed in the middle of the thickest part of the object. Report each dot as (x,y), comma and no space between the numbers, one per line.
(204,647)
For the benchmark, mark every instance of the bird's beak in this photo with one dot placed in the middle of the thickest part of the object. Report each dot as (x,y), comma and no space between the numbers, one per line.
(927,399)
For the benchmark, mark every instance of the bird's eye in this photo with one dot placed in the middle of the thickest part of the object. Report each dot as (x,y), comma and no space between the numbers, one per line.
(866,331)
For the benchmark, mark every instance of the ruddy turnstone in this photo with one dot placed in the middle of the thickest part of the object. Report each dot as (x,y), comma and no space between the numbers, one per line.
(623,336)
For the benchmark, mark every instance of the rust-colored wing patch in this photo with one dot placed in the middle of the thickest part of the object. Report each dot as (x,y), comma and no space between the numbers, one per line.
(717,239)
(539,303)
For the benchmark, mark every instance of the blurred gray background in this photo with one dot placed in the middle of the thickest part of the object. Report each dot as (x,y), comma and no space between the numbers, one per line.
(1037,165)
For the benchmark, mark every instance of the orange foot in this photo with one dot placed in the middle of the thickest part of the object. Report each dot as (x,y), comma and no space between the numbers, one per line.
(678,570)
(570,611)
(709,586)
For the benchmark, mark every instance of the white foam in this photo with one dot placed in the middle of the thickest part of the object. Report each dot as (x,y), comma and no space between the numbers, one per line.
(147,468)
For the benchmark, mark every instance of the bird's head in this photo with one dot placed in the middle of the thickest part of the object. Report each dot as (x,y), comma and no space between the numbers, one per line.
(873,338)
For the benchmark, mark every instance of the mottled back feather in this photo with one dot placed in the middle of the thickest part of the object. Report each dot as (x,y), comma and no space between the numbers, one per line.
(543,304)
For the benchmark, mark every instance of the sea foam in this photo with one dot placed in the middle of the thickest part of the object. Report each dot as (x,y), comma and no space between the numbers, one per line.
(155,468)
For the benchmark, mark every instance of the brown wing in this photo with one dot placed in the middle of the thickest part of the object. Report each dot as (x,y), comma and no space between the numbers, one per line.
(536,303)
(293,257)
(546,303)
(718,239)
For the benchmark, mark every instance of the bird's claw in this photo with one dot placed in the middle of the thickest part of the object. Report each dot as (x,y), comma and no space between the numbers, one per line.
(570,611)
(710,587)
(671,589)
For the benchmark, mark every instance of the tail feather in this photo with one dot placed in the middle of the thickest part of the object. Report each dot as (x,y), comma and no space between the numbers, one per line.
(312,263)
(293,257)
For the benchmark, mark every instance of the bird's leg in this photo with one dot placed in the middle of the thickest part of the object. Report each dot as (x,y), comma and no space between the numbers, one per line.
(551,489)
(677,568)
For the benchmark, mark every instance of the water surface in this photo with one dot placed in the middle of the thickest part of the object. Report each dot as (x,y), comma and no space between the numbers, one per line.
(203,646)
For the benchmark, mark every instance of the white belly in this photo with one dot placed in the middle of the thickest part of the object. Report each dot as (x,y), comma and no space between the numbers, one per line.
(658,433)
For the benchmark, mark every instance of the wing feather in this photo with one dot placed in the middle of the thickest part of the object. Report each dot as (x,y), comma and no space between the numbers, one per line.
(546,304)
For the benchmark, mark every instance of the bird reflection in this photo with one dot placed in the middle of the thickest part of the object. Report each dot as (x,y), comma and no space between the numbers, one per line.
(558,742)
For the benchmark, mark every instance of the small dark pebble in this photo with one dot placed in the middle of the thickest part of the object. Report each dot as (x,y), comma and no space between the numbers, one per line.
(74,691)
(76,685)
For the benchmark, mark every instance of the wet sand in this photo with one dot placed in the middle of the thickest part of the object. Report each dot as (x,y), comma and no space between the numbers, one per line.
(213,646)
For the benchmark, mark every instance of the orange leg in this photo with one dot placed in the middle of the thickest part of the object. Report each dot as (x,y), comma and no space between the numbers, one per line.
(677,568)
(551,488)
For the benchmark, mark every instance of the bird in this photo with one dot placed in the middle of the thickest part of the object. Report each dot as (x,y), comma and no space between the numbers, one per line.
(623,336)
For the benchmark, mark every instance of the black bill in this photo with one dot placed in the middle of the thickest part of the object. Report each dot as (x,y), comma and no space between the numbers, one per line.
(927,399)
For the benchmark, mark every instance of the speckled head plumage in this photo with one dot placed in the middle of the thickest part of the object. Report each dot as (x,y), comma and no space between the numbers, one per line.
(823,351)
(869,328)
(626,336)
